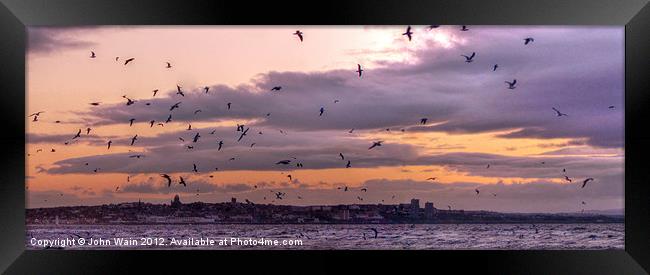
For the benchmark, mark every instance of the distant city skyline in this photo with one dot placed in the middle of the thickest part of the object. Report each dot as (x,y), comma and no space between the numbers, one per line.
(449,128)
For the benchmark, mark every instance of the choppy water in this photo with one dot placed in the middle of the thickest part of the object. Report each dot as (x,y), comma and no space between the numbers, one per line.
(340,236)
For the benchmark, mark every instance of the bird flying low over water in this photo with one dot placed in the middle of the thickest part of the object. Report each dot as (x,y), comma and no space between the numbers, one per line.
(299,34)
(558,113)
(151,123)
(348,165)
(129,101)
(511,85)
(433,178)
(128,61)
(375,144)
(285,162)
(584,182)
(469,58)
(169,118)
(228,105)
(611,107)
(567,179)
(168,178)
(408,33)
(527,40)
(359,70)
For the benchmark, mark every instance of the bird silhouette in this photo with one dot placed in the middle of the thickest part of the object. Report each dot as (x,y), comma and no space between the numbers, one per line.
(197,111)
(567,179)
(179,91)
(464,28)
(408,33)
(299,34)
(131,121)
(348,165)
(169,65)
(364,189)
(220,144)
(128,61)
(174,106)
(528,40)
(78,135)
(423,121)
(206,89)
(611,107)
(470,58)
(433,27)
(151,123)
(155,92)
(196,137)
(477,192)
(322,110)
(285,162)
(109,144)
(276,88)
(290,178)
(375,144)
(495,67)
(375,231)
(169,118)
(433,178)
(243,134)
(189,127)
(228,105)
(133,139)
(92,54)
(359,71)
(511,85)
(95,103)
(558,113)
(168,178)
(584,182)
(194,168)
(341,155)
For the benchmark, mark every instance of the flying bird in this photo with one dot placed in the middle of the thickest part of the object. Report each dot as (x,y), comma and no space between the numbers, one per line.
(175,106)
(155,92)
(169,65)
(423,121)
(341,155)
(290,178)
(528,40)
(495,67)
(322,110)
(220,144)
(179,91)
(299,34)
(567,179)
(194,168)
(470,58)
(364,189)
(109,144)
(433,178)
(375,144)
(243,134)
(128,61)
(511,85)
(477,192)
(375,231)
(408,33)
(169,118)
(359,71)
(197,111)
(88,131)
(168,178)
(92,54)
(285,162)
(348,165)
(77,135)
(189,127)
(584,182)
(133,139)
(151,123)
(196,137)
(131,121)
(276,88)
(558,112)
(336,101)
(464,28)
(228,105)
(611,107)
(351,130)
(95,103)
(433,27)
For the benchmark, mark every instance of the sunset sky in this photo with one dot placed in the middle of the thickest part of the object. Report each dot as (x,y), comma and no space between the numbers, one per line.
(473,119)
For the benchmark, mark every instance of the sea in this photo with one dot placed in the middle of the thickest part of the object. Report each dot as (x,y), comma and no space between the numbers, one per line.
(596,236)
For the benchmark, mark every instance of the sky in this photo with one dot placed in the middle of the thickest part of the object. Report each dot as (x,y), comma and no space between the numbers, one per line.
(509,144)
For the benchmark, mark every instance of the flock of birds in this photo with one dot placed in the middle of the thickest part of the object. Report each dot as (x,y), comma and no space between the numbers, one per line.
(244,131)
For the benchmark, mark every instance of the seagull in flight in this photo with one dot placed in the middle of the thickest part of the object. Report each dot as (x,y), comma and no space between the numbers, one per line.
(196,137)
(175,106)
(131,121)
(206,89)
(376,232)
(77,135)
(470,58)
(464,28)
(95,103)
(169,118)
(433,178)
(611,107)
(528,40)
(351,130)
(511,85)
(189,127)
(109,144)
(194,168)
(182,181)
(155,92)
(276,88)
(92,54)
(169,65)
(431,27)
(128,61)
(133,139)
(322,110)
(559,113)
(151,123)
(375,144)
(341,155)
(584,182)
(408,33)
(285,162)
(299,34)
(168,178)
(220,144)
(359,70)
(567,179)
(179,91)
(128,101)
(348,165)
(495,67)
(423,121)
(243,134)
(228,105)
(477,192)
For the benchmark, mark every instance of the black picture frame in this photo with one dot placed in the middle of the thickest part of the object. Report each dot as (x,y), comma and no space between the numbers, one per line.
(15,15)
